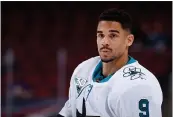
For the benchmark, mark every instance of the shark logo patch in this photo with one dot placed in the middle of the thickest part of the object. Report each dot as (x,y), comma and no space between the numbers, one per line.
(80,82)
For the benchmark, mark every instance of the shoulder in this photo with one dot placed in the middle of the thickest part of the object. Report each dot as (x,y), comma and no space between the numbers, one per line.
(89,63)
(135,78)
(137,74)
(82,71)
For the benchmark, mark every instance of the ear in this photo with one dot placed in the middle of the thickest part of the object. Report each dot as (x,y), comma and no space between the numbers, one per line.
(130,39)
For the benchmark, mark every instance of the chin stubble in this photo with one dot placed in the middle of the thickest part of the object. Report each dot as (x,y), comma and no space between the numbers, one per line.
(108,60)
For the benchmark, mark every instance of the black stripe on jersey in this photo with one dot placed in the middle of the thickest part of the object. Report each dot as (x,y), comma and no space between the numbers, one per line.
(59,115)
(83,111)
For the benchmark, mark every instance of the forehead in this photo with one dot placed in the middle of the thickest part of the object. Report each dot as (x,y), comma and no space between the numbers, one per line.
(107,25)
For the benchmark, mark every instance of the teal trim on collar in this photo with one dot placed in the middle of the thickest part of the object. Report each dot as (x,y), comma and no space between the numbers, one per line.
(106,79)
(98,71)
(131,60)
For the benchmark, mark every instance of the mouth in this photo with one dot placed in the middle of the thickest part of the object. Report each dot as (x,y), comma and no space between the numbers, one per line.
(105,50)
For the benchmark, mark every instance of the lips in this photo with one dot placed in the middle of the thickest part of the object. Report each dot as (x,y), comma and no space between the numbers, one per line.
(105,49)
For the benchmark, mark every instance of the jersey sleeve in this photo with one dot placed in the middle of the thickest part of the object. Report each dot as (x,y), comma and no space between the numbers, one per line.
(138,101)
(66,111)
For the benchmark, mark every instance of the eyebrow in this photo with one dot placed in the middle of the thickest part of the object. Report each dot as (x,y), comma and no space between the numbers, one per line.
(99,31)
(116,31)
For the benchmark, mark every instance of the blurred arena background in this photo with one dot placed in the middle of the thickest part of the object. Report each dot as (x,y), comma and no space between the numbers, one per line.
(42,43)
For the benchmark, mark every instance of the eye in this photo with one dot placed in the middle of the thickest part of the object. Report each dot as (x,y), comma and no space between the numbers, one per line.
(100,35)
(113,36)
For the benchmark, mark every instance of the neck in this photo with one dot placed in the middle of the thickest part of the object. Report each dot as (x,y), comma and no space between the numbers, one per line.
(113,66)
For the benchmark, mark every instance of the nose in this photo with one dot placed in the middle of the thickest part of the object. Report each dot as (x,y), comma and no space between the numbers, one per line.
(105,41)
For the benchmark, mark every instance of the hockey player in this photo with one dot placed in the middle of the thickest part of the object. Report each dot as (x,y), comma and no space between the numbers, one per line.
(113,84)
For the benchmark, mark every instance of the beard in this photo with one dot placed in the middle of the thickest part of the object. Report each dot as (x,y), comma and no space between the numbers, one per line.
(107,60)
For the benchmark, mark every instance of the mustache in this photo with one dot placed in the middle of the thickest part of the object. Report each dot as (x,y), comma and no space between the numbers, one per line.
(105,48)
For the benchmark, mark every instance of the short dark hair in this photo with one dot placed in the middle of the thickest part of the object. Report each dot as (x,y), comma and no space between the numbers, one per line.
(117,15)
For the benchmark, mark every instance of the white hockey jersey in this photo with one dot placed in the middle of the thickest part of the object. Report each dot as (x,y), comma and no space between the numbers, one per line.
(132,91)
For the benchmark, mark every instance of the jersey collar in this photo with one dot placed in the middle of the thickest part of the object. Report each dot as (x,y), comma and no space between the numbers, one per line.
(98,76)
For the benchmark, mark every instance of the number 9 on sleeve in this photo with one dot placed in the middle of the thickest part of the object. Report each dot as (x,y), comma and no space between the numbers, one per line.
(144,108)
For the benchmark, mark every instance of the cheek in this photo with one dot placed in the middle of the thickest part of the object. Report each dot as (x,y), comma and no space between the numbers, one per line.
(98,43)
(123,46)
(119,46)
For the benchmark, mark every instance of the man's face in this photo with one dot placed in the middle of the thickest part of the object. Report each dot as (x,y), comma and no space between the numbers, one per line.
(112,40)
